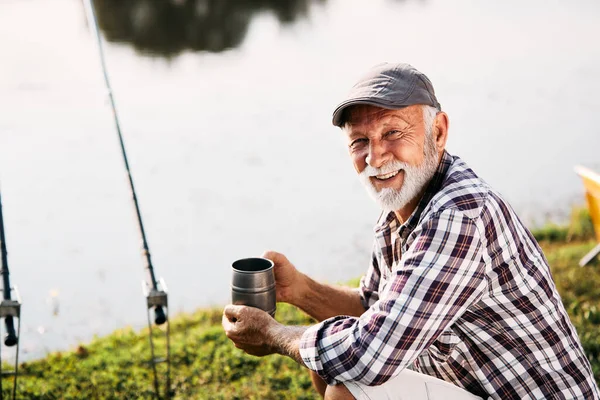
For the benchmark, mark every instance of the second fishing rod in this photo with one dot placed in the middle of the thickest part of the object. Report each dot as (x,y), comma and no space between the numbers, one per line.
(9,309)
(11,337)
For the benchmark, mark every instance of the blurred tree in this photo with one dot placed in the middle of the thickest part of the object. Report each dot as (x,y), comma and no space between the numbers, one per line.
(168,27)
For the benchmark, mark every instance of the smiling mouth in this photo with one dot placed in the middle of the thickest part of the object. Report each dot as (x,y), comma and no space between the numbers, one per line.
(387,176)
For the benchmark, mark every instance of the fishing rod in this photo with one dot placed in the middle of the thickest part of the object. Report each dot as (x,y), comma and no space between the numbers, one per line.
(11,337)
(156,295)
(9,308)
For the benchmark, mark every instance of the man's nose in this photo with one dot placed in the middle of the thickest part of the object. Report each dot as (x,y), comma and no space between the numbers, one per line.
(378,155)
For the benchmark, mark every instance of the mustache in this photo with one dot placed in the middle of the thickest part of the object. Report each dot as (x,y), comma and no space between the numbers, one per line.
(391,166)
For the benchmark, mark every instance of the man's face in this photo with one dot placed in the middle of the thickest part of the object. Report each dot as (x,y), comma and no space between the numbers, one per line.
(393,153)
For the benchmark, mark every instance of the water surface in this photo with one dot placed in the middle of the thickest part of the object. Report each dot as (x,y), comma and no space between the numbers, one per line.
(225,108)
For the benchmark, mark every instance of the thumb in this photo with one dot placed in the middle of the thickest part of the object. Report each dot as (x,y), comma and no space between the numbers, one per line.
(276,257)
(232,312)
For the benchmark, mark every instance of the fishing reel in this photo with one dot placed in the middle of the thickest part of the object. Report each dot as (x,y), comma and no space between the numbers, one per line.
(9,310)
(156,298)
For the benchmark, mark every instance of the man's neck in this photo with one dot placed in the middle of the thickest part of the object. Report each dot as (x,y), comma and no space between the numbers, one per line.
(405,212)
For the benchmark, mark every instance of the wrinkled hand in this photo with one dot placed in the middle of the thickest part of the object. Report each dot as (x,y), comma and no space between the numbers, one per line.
(249,329)
(287,277)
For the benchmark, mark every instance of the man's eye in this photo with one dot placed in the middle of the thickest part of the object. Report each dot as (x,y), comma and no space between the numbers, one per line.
(392,133)
(358,143)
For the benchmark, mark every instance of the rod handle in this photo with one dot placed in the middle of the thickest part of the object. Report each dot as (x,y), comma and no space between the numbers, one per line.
(11,338)
(159,315)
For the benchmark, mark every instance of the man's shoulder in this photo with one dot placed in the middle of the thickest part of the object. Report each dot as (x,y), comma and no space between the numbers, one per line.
(461,190)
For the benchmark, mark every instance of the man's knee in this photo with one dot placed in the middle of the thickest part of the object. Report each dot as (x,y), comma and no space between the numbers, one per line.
(338,392)
(318,383)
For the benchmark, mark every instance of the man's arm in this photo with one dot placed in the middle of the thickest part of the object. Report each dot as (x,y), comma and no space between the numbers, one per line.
(440,276)
(320,301)
(285,340)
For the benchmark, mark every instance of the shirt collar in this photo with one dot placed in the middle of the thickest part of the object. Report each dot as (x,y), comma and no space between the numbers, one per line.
(389,219)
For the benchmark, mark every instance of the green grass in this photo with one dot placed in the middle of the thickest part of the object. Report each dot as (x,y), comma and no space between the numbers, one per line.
(579,288)
(579,228)
(205,365)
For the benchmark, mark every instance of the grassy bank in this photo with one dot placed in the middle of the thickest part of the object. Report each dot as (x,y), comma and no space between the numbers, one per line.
(205,365)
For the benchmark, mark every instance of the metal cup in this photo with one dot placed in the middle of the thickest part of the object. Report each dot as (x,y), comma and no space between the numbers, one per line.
(253,284)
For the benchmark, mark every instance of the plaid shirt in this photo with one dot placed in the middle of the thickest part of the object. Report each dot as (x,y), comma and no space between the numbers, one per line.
(461,292)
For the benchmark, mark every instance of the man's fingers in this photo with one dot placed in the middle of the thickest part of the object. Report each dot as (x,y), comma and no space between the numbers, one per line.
(233,312)
(274,256)
(227,325)
(231,330)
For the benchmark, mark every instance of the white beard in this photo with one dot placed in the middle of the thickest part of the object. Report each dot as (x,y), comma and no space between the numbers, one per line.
(415,179)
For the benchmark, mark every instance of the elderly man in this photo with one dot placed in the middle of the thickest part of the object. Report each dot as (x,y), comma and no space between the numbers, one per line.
(458,302)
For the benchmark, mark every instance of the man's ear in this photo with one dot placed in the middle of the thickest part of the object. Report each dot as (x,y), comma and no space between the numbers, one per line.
(440,131)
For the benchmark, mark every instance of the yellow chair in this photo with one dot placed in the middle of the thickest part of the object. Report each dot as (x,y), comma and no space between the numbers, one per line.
(591,182)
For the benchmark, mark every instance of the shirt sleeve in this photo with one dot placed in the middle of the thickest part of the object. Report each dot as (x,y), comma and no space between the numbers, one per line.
(439,277)
(369,283)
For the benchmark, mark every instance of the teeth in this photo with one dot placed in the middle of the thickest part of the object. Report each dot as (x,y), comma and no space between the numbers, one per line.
(387,176)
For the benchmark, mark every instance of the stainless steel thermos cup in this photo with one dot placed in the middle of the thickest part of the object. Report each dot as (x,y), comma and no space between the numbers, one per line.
(253,284)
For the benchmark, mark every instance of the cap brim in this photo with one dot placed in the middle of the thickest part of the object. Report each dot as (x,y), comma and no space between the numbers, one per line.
(339,111)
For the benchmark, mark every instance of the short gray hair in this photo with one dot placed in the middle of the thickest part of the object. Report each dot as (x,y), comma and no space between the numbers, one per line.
(429,114)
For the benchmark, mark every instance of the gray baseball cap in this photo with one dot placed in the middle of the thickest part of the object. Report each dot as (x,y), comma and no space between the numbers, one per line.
(390,86)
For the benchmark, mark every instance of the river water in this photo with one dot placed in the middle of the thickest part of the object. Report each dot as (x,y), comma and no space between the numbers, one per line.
(225,107)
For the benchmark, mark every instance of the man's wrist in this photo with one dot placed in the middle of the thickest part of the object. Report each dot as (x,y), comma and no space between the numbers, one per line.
(285,340)
(299,292)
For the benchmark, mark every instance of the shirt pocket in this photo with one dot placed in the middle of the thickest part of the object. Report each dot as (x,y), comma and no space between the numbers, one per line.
(443,346)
